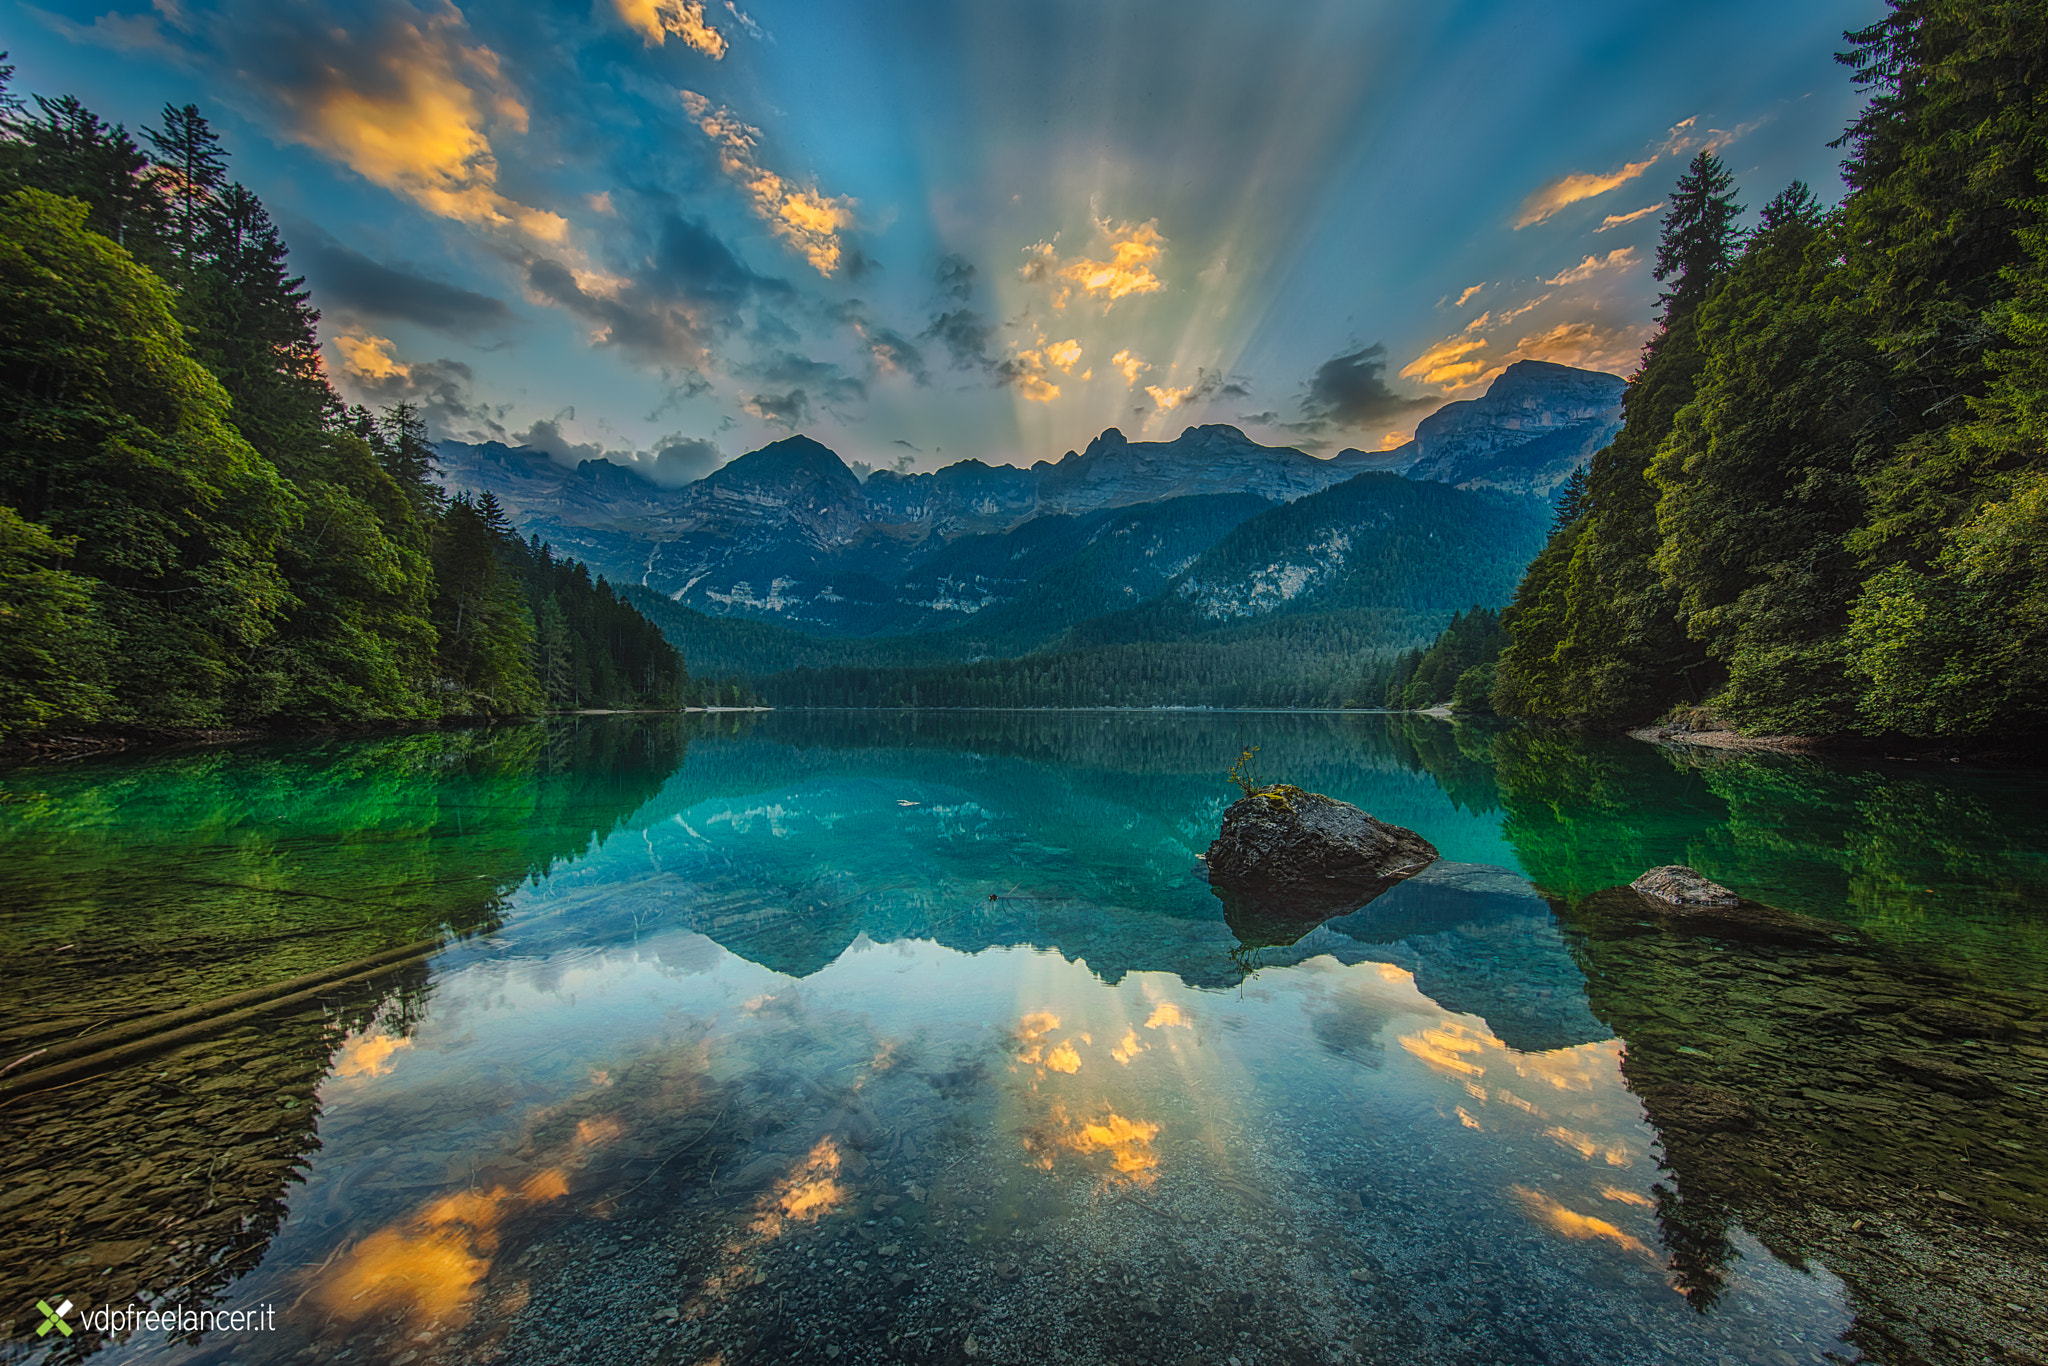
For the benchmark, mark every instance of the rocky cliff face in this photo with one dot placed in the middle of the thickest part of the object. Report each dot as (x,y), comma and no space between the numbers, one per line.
(1534,425)
(787,533)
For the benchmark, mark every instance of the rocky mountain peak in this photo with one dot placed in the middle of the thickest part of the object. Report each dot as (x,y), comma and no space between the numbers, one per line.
(793,462)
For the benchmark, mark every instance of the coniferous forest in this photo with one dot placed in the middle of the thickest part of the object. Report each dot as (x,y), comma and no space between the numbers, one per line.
(195,532)
(1827,513)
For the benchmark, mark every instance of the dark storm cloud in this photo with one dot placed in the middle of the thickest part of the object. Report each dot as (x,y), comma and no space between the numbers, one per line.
(681,460)
(348,281)
(1350,390)
(546,435)
(802,375)
(965,334)
(440,389)
(954,278)
(789,410)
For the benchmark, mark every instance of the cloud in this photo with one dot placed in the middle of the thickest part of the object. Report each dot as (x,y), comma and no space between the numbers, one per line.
(1208,384)
(1130,363)
(407,100)
(1063,356)
(1350,390)
(682,460)
(545,434)
(1126,269)
(690,294)
(965,334)
(349,282)
(1480,321)
(1586,345)
(1466,297)
(890,352)
(1445,363)
(1615,220)
(788,410)
(807,220)
(654,20)
(1618,259)
(1027,371)
(1515,313)
(803,379)
(1554,195)
(954,278)
(368,372)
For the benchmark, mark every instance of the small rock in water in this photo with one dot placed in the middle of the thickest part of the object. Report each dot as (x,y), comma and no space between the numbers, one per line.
(1681,886)
(1283,835)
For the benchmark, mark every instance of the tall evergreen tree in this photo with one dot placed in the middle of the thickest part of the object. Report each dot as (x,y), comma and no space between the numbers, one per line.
(196,168)
(1699,237)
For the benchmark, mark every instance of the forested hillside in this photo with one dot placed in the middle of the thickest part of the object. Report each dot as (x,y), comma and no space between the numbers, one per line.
(193,531)
(1827,511)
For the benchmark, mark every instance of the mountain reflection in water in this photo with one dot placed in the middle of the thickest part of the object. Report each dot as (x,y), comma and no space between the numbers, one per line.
(893,1033)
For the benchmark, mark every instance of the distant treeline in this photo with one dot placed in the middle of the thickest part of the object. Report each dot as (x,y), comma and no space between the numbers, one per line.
(1827,512)
(1313,660)
(194,531)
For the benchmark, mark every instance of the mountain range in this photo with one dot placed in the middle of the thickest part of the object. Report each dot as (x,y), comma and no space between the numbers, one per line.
(1144,538)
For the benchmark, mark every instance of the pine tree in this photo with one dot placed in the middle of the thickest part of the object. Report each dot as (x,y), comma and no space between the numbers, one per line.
(196,168)
(1699,238)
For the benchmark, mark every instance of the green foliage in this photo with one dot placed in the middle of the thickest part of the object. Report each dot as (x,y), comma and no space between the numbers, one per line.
(1421,679)
(1823,510)
(52,651)
(235,549)
(114,435)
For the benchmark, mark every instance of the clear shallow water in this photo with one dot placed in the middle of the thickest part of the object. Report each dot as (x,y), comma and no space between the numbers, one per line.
(752,1040)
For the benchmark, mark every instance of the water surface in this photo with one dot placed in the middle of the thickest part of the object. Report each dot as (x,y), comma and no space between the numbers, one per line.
(921,1037)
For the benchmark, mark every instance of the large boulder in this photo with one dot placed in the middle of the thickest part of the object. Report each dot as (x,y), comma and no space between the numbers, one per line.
(1677,885)
(1283,846)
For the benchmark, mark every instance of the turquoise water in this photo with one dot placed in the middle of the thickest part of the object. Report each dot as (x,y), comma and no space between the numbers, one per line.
(921,1037)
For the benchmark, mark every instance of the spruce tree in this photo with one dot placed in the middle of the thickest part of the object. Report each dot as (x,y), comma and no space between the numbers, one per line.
(1699,238)
(196,168)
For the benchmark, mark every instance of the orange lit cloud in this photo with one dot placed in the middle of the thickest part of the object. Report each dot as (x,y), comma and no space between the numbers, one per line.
(1479,322)
(1618,259)
(1586,1146)
(654,20)
(1443,1049)
(1129,1048)
(813,1189)
(1466,297)
(801,216)
(1166,397)
(1062,355)
(1586,345)
(1444,363)
(1627,1197)
(419,128)
(1615,220)
(1571,1224)
(1566,190)
(369,1055)
(1128,362)
(1029,372)
(367,356)
(1128,1143)
(1168,1015)
(430,1264)
(1132,249)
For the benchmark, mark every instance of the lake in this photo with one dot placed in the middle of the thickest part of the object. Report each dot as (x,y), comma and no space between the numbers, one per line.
(921,1037)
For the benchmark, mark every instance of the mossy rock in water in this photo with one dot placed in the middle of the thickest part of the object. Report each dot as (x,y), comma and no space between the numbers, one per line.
(1288,856)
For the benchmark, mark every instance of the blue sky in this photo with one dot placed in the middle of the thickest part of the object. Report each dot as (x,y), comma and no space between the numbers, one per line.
(924,231)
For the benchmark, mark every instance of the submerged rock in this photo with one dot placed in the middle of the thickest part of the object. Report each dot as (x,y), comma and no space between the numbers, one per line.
(1681,886)
(1284,840)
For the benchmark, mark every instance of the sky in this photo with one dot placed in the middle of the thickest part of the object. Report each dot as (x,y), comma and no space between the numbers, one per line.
(670,231)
